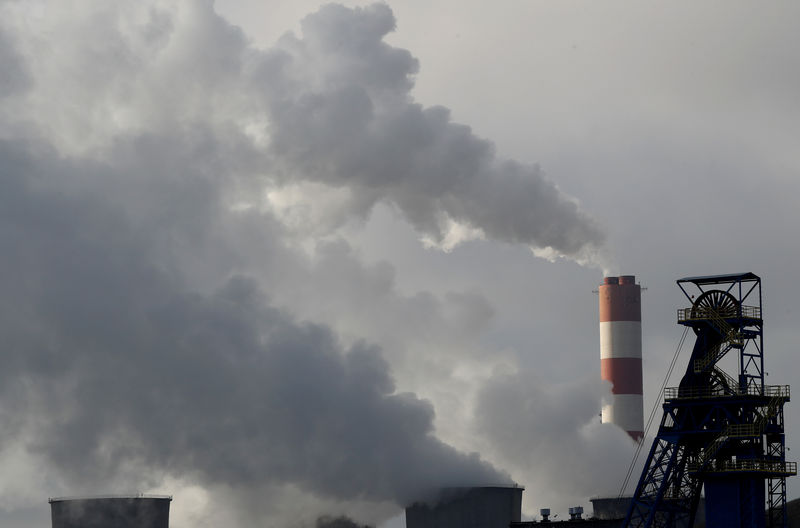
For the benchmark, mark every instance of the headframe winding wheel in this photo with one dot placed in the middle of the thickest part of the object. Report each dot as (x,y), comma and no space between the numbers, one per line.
(715,303)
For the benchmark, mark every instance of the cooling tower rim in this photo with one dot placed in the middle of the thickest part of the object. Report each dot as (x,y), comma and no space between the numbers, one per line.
(105,497)
(510,486)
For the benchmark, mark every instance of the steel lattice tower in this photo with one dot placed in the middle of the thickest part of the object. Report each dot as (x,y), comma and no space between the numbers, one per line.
(719,432)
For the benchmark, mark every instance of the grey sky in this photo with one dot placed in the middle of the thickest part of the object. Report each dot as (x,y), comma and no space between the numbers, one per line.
(179,212)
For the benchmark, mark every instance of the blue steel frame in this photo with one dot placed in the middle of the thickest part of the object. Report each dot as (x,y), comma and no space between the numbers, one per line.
(717,429)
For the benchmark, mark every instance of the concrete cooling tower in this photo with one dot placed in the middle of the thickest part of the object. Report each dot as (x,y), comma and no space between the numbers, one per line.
(132,511)
(485,507)
(621,352)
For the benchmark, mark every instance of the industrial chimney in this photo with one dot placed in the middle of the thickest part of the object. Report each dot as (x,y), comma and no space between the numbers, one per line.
(125,511)
(621,352)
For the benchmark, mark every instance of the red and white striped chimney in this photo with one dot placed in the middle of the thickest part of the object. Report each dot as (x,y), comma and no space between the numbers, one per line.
(621,352)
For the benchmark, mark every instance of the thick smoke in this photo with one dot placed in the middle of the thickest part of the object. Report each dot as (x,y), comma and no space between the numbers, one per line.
(125,363)
(542,429)
(331,108)
(341,114)
(141,336)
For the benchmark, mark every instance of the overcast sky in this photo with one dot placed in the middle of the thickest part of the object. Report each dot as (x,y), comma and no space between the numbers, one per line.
(283,261)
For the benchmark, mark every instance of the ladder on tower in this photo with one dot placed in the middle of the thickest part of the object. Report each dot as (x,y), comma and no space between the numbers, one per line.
(731,338)
(735,431)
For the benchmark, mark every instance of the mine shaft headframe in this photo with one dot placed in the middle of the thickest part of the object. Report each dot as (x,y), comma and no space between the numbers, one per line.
(722,434)
(742,287)
(730,305)
(736,298)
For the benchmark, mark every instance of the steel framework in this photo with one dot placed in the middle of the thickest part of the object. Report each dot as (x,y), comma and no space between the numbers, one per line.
(719,432)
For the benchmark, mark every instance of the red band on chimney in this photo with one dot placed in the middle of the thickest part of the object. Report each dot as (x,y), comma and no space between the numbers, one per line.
(620,302)
(625,374)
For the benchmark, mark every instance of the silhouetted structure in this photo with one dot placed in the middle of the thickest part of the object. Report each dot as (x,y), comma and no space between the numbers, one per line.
(131,511)
(485,507)
(615,509)
(718,432)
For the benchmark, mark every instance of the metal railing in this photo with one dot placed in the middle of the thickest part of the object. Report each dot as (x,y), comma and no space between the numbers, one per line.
(756,466)
(702,313)
(746,430)
(772,391)
(727,378)
(732,337)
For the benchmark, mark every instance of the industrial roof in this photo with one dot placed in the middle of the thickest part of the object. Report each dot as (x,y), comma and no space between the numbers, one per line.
(720,279)
(103,497)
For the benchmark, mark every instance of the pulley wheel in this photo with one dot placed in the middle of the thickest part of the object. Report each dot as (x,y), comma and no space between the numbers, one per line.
(716,302)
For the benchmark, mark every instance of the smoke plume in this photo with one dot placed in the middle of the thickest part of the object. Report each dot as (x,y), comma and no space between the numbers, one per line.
(341,114)
(148,160)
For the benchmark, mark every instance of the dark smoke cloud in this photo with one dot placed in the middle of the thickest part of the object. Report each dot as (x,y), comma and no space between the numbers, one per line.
(129,364)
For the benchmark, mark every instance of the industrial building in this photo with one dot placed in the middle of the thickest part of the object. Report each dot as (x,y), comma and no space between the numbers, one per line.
(615,508)
(568,523)
(111,511)
(493,507)
(501,507)
(609,508)
(575,519)
(481,507)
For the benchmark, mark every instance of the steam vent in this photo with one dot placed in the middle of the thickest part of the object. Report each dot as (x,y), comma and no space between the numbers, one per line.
(131,511)
(621,352)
